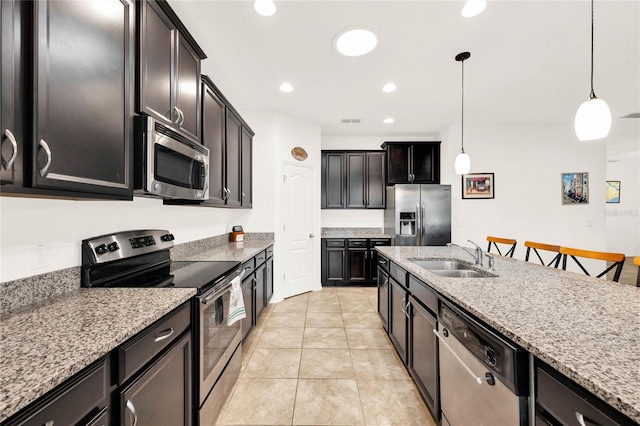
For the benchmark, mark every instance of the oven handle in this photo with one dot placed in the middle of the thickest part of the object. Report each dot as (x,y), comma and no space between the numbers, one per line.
(206,299)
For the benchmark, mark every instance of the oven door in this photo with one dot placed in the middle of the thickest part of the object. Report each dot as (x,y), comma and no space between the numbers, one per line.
(176,169)
(217,340)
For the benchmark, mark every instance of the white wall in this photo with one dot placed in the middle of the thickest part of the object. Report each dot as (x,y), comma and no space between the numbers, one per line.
(623,219)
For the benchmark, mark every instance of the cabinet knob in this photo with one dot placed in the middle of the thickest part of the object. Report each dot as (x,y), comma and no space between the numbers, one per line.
(311,235)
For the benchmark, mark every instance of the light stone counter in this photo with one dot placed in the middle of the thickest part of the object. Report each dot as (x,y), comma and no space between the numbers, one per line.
(240,251)
(43,346)
(586,328)
(353,233)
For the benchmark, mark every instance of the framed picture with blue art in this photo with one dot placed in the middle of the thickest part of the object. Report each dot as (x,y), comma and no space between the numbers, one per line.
(575,188)
(613,191)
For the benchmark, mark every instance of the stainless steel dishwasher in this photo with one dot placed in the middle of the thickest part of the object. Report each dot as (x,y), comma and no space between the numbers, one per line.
(483,377)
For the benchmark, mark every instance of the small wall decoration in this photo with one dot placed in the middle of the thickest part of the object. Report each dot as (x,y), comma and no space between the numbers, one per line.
(477,186)
(299,153)
(613,191)
(575,188)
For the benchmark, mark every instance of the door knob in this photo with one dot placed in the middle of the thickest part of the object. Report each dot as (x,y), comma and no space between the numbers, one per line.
(311,235)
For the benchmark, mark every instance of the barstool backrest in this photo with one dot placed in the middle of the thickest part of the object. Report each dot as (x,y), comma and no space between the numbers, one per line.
(555,262)
(497,240)
(616,258)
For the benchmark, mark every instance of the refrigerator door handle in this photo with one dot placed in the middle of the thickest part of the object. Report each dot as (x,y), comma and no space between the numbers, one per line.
(418,225)
(423,226)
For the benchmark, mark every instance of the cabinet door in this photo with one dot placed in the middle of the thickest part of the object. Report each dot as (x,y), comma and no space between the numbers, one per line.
(187,88)
(259,283)
(247,164)
(398,163)
(247,298)
(213,136)
(425,162)
(356,180)
(268,276)
(233,159)
(82,103)
(358,265)
(383,297)
(157,36)
(161,395)
(376,185)
(11,137)
(333,182)
(398,318)
(334,266)
(423,352)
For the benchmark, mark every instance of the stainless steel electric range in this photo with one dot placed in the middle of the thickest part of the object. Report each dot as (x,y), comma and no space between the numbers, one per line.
(142,259)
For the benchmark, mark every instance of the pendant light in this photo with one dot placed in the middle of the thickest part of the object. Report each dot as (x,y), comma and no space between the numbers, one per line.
(463,162)
(593,118)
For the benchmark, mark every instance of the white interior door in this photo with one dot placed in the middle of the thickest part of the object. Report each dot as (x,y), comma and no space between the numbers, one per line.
(298,230)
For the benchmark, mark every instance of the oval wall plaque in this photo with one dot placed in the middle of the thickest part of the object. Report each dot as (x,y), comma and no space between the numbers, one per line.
(299,153)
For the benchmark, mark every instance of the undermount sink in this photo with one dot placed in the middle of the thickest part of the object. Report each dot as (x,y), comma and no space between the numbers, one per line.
(451,268)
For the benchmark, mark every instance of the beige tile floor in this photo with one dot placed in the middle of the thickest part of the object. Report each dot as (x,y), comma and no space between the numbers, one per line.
(323,358)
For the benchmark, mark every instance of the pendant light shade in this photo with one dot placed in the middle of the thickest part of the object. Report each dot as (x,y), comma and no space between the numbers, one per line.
(593,118)
(463,161)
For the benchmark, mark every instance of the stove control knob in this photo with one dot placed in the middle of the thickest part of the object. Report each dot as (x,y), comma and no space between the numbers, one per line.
(113,246)
(101,249)
(167,237)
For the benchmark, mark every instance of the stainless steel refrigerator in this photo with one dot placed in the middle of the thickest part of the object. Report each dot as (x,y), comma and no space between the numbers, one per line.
(418,215)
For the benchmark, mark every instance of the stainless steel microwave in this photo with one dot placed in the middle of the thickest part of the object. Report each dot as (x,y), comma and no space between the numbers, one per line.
(167,164)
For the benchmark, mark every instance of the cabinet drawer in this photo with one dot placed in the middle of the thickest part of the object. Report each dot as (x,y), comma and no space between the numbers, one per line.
(332,242)
(148,343)
(423,293)
(398,273)
(565,403)
(383,263)
(73,401)
(260,258)
(269,252)
(248,267)
(358,243)
(379,242)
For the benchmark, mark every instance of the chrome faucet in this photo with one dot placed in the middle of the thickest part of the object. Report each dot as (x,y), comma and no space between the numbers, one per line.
(475,255)
(492,261)
(479,254)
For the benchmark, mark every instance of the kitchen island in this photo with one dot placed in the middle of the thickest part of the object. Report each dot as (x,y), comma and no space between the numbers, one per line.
(588,329)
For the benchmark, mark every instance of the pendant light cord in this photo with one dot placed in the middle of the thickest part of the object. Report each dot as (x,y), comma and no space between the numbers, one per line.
(592,94)
(462,124)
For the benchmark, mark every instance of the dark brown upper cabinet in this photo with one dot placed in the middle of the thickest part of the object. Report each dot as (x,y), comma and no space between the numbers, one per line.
(67,75)
(412,162)
(168,69)
(229,140)
(353,180)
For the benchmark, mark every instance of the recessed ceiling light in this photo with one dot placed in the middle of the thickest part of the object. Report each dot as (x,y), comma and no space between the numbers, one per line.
(388,120)
(265,7)
(286,87)
(389,87)
(473,8)
(355,41)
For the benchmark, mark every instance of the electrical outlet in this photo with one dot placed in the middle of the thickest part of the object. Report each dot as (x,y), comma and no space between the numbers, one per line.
(39,256)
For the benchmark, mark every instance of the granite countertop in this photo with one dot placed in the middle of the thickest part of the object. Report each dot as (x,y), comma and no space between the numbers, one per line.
(353,233)
(240,251)
(43,346)
(586,328)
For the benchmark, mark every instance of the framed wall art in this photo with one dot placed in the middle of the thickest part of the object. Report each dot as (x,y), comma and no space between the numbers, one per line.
(477,186)
(613,191)
(575,188)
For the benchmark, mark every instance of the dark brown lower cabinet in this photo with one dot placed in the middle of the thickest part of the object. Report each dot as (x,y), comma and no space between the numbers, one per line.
(383,297)
(161,394)
(423,353)
(247,298)
(258,290)
(350,260)
(358,265)
(268,274)
(398,317)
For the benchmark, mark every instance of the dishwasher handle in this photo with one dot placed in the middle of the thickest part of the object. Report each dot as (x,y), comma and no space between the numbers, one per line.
(488,377)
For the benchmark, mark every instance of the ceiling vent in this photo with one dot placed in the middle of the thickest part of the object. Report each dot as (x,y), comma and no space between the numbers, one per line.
(351,120)
(632,115)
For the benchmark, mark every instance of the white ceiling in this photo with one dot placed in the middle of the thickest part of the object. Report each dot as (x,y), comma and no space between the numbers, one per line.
(529,61)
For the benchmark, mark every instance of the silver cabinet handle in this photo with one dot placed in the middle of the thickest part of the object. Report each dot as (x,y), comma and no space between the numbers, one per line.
(163,335)
(14,145)
(45,169)
(49,423)
(402,306)
(132,408)
(244,195)
(584,420)
(181,116)
(477,379)
(406,309)
(175,115)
